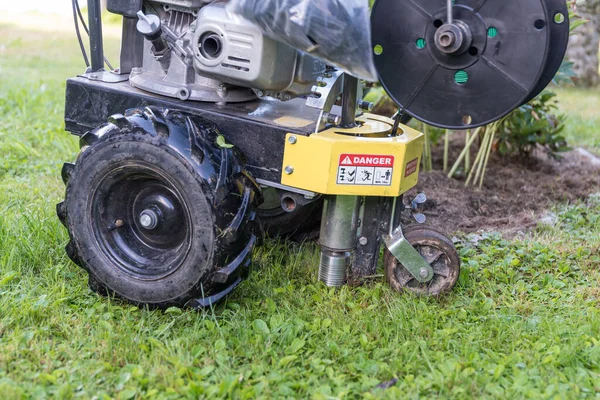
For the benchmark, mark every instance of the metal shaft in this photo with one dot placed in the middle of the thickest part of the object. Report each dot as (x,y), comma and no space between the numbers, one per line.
(333,267)
(349,101)
(132,46)
(449,10)
(95,27)
(339,228)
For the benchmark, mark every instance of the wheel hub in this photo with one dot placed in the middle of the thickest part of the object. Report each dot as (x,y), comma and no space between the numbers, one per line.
(158,215)
(154,233)
(148,219)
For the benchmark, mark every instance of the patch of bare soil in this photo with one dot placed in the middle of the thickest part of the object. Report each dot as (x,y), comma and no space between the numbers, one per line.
(516,192)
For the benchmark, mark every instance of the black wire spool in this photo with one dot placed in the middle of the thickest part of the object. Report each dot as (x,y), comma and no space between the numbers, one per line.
(495,56)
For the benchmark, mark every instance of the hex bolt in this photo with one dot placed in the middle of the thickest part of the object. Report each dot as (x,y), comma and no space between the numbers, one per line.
(363,241)
(293,140)
(332,118)
(366,105)
(423,273)
(260,93)
(148,219)
(289,170)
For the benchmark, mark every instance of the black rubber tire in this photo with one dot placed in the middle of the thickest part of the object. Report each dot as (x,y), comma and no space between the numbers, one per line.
(206,250)
(446,266)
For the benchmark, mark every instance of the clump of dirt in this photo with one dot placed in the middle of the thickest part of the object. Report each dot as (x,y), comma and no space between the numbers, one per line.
(516,192)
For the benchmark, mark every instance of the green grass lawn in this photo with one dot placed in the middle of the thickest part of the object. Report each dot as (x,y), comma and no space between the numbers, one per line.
(523,322)
(582,108)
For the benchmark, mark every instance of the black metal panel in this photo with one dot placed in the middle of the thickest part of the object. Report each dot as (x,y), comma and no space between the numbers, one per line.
(257,128)
(374,222)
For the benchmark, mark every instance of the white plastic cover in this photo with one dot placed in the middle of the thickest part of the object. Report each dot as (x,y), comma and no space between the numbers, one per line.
(337,31)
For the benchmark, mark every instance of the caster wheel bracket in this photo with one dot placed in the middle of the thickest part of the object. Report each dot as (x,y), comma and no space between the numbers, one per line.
(408,256)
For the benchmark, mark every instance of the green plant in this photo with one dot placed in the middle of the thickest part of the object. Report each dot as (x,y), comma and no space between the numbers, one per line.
(432,137)
(535,125)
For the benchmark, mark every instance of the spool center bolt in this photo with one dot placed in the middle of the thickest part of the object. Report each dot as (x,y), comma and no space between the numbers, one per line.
(453,38)
(148,219)
(447,39)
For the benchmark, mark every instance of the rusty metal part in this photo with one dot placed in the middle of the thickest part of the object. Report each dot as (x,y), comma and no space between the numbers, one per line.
(440,254)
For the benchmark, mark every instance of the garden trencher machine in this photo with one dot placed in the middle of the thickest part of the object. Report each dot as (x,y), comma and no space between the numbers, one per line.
(226,119)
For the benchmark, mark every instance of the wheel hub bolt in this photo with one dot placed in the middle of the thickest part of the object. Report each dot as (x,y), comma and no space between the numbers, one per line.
(423,273)
(148,219)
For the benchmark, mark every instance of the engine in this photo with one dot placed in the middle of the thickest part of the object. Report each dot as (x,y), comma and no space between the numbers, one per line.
(198,50)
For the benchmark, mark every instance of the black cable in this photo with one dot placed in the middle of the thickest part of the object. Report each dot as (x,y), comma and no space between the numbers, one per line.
(83,52)
(85,28)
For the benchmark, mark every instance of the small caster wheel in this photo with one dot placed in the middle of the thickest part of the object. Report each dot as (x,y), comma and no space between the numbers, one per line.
(438,251)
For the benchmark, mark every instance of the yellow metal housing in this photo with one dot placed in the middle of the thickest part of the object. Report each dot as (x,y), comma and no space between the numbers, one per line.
(363,161)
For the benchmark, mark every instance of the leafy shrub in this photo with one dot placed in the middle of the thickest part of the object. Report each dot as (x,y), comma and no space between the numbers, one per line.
(537,124)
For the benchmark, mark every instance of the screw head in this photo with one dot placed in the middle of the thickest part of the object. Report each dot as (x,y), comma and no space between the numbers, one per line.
(293,140)
(363,241)
(423,273)
(289,170)
(260,93)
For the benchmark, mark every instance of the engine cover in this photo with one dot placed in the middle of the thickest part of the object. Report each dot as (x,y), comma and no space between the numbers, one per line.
(235,51)
(198,50)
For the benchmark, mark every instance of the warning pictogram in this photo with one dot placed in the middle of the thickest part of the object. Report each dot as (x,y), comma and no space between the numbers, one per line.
(366,170)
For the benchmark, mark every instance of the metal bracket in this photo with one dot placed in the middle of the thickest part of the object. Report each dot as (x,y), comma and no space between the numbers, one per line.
(307,194)
(328,89)
(408,256)
(105,76)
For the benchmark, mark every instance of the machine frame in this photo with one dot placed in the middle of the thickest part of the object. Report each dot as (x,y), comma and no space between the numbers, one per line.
(280,141)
